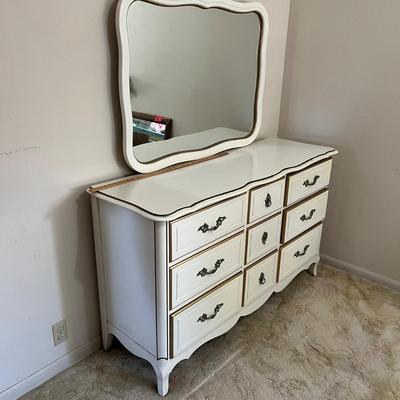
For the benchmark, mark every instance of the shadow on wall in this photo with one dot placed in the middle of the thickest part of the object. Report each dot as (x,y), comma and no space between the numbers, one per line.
(76,268)
(71,221)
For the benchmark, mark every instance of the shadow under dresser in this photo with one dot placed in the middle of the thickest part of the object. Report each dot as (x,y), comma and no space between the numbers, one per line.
(182,255)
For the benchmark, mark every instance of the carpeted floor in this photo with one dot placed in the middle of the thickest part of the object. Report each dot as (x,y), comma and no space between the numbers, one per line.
(331,337)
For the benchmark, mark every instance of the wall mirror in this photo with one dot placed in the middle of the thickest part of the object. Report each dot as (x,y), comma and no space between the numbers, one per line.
(191,78)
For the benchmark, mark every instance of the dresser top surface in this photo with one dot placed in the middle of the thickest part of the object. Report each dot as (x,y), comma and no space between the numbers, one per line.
(171,194)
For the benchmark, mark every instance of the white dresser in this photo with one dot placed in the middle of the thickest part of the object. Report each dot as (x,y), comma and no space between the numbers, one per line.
(182,255)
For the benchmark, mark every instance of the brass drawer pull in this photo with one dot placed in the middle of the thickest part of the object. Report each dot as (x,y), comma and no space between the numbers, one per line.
(308,183)
(206,228)
(268,201)
(304,218)
(205,271)
(206,317)
(303,253)
(262,279)
(264,237)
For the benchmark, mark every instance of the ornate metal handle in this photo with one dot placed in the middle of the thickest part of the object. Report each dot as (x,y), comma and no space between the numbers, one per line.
(268,201)
(300,254)
(262,279)
(205,271)
(206,228)
(314,181)
(304,218)
(264,237)
(206,317)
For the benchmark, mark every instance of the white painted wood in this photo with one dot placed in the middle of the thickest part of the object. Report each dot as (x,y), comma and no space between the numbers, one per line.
(203,271)
(106,336)
(139,281)
(263,238)
(124,88)
(299,252)
(299,218)
(260,278)
(186,233)
(307,182)
(127,241)
(218,306)
(266,200)
(162,291)
(170,195)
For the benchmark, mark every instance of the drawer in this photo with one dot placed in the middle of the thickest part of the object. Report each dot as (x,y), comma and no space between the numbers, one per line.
(202,271)
(263,238)
(199,319)
(295,254)
(260,278)
(205,226)
(309,181)
(266,199)
(301,217)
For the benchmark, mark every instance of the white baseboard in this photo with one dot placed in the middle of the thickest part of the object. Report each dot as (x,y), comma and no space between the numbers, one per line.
(362,272)
(44,374)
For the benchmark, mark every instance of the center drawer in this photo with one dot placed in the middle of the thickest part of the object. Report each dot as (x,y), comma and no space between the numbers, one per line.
(200,272)
(262,238)
(203,227)
(194,322)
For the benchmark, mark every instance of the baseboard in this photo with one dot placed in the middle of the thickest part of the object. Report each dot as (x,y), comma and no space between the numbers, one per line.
(362,272)
(44,374)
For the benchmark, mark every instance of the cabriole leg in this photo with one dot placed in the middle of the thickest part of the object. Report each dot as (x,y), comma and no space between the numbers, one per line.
(107,340)
(313,269)
(163,370)
(162,384)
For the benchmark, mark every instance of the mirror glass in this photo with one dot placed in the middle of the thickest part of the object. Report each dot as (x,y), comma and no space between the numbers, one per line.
(193,77)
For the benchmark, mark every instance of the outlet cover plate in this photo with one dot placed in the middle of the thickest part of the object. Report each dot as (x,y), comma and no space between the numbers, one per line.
(60,333)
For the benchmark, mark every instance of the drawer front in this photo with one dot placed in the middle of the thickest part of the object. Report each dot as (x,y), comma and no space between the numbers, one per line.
(263,238)
(304,183)
(260,278)
(192,232)
(302,217)
(195,322)
(295,254)
(266,199)
(200,272)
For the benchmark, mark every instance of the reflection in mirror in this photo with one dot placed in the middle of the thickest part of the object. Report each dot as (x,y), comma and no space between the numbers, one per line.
(193,77)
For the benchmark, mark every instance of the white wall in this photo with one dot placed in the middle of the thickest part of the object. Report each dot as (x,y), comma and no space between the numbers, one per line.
(59,124)
(60,132)
(342,88)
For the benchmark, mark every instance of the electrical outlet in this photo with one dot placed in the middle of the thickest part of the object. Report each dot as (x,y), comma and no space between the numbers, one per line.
(60,333)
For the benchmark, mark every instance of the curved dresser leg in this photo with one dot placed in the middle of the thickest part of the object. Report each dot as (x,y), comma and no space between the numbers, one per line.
(163,370)
(313,269)
(107,340)
(162,384)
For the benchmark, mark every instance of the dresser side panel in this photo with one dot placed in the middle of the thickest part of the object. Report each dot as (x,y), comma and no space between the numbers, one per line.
(129,273)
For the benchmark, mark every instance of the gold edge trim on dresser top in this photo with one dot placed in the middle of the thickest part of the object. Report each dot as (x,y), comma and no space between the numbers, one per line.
(254,264)
(289,175)
(184,308)
(170,223)
(293,206)
(250,191)
(193,256)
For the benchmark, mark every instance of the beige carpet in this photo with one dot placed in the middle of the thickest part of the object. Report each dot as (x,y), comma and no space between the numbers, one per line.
(330,337)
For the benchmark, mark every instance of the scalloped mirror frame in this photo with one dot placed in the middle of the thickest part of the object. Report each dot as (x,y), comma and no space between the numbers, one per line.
(124,87)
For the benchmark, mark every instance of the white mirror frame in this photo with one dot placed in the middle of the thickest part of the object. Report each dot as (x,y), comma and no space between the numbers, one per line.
(124,88)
